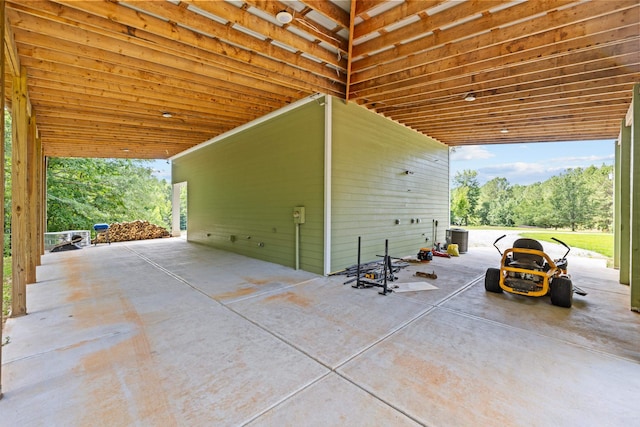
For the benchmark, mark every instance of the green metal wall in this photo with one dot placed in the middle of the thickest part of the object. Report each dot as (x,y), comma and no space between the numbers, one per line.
(246,186)
(371,188)
(627,201)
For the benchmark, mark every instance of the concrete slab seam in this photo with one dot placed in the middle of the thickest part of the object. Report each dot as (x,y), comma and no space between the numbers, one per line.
(271,291)
(459,291)
(170,273)
(285,398)
(446,298)
(507,326)
(384,337)
(340,364)
(277,336)
(64,347)
(394,331)
(471,316)
(226,306)
(406,414)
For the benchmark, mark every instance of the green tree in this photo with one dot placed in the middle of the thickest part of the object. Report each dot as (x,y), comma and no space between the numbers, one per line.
(183,209)
(599,184)
(570,199)
(465,196)
(460,206)
(496,205)
(532,205)
(82,192)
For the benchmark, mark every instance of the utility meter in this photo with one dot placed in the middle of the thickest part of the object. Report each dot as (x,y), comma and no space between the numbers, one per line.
(298,215)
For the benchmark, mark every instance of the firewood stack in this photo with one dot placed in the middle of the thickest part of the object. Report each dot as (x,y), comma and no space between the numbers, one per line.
(135,230)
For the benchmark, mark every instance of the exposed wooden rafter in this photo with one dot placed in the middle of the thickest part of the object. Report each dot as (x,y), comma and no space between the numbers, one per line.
(101,73)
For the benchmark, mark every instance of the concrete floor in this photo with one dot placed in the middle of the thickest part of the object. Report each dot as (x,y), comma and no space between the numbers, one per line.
(168,333)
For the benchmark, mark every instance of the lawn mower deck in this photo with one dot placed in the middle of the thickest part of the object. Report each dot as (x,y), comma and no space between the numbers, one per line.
(525,269)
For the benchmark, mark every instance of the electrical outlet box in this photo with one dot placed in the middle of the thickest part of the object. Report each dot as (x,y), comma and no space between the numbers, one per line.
(298,215)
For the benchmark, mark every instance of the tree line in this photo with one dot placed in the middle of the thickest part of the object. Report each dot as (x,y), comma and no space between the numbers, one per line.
(82,192)
(579,199)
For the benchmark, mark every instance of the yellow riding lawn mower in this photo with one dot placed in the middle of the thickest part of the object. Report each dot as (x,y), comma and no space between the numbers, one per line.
(526,269)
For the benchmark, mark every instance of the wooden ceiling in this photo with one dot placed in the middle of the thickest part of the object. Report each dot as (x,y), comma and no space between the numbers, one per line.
(101,74)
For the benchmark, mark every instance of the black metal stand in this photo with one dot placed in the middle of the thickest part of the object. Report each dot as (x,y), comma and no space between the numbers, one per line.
(373,274)
(358,270)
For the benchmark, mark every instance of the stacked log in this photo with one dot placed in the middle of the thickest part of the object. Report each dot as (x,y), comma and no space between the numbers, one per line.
(134,230)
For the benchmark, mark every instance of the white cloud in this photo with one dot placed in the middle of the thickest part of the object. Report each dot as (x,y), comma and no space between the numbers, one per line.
(519,172)
(517,168)
(470,152)
(588,160)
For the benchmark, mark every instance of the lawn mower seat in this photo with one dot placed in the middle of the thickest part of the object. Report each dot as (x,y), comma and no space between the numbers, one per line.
(528,259)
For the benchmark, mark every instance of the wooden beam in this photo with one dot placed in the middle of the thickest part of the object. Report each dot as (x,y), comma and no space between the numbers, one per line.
(364,6)
(505,96)
(41,201)
(301,22)
(136,28)
(10,51)
(271,31)
(32,203)
(393,16)
(145,57)
(329,10)
(623,56)
(488,108)
(19,200)
(504,48)
(3,25)
(422,50)
(196,91)
(352,17)
(431,23)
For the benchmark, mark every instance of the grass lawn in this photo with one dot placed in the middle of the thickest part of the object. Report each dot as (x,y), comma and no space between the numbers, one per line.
(601,243)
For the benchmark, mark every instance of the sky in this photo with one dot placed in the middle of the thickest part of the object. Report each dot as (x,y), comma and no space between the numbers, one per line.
(521,164)
(526,164)
(162,169)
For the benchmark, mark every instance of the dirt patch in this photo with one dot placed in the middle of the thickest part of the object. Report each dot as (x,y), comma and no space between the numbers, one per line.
(292,298)
(235,294)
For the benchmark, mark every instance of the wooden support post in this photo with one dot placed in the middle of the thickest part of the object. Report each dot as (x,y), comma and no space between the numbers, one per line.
(45,166)
(40,198)
(38,244)
(2,105)
(19,203)
(31,212)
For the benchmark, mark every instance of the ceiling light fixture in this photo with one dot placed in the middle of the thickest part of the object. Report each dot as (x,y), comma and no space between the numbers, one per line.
(470,97)
(167,115)
(504,131)
(284,17)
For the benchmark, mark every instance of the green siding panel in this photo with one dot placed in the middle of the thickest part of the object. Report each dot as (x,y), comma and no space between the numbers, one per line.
(623,188)
(371,188)
(634,226)
(246,186)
